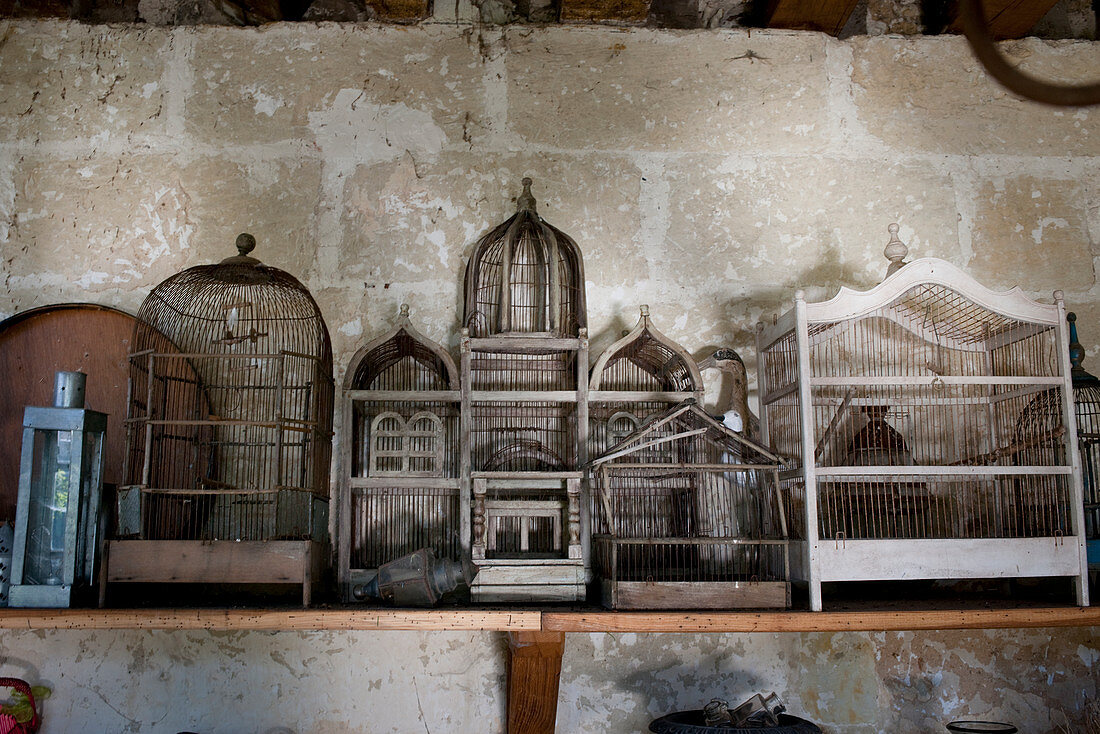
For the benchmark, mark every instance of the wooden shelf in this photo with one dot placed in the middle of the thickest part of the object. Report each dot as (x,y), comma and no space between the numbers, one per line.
(549,620)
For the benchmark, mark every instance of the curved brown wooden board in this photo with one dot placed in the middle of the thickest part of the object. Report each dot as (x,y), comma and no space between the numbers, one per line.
(36,344)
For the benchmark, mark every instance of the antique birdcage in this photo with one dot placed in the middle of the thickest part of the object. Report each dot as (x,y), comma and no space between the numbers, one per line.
(524,363)
(688,514)
(402,458)
(229,430)
(901,410)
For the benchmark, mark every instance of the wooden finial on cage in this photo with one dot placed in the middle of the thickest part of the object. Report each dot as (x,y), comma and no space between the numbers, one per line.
(246,243)
(895,250)
(526,200)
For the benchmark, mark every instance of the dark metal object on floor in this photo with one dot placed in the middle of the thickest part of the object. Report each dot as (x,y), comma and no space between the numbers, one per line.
(693,722)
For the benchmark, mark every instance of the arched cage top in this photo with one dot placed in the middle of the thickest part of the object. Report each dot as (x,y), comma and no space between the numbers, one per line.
(237,306)
(645,359)
(525,277)
(402,359)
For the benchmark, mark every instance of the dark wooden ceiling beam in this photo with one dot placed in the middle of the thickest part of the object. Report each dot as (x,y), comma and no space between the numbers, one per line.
(1009,18)
(828,16)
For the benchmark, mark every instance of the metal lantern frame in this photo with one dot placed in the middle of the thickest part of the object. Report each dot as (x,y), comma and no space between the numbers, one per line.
(87,429)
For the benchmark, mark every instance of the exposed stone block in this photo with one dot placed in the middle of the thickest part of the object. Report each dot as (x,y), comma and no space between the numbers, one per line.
(933,96)
(380,85)
(652,91)
(1032,232)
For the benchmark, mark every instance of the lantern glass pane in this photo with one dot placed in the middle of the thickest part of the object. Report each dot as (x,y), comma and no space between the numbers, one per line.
(48,507)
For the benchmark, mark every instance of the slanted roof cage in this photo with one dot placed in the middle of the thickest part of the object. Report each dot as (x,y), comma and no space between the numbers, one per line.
(902,406)
(688,515)
(525,277)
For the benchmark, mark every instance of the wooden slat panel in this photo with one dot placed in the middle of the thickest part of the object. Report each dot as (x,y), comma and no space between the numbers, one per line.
(194,562)
(696,595)
(828,16)
(1010,18)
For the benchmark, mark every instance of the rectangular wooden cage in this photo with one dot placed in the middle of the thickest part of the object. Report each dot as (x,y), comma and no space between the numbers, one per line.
(929,426)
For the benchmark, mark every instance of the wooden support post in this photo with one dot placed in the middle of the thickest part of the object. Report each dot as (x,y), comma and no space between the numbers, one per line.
(534,670)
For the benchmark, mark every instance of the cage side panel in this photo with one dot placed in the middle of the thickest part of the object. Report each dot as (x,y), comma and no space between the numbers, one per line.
(390,522)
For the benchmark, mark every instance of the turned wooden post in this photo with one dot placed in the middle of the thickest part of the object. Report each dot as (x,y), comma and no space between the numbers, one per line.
(534,670)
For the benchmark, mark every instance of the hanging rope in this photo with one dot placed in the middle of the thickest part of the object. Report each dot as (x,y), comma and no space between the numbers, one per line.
(1062,95)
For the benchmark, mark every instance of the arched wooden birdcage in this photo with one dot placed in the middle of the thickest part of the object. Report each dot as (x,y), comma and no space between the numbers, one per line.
(524,351)
(230,417)
(525,277)
(402,456)
(641,374)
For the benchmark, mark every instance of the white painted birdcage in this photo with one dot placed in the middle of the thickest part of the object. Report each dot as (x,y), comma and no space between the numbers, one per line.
(401,456)
(688,515)
(904,410)
(229,430)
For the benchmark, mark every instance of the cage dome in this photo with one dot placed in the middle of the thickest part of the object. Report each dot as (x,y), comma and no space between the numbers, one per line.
(525,277)
(230,398)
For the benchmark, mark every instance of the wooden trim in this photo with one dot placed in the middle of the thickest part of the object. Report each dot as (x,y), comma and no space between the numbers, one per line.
(827,16)
(586,620)
(1008,18)
(846,621)
(269,619)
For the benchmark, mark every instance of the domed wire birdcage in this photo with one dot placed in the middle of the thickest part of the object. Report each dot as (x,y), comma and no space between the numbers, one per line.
(230,415)
(525,277)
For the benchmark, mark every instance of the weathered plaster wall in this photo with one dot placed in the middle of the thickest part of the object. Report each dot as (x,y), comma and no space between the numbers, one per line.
(453,683)
(709,174)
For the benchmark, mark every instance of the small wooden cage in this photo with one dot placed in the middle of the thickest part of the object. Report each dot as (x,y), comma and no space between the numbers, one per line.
(401,458)
(229,430)
(688,514)
(905,410)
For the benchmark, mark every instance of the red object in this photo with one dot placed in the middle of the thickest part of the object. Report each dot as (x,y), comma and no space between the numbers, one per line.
(23,687)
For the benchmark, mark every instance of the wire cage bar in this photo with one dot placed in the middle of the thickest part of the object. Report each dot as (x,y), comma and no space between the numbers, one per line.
(402,456)
(688,513)
(230,411)
(1086,404)
(926,409)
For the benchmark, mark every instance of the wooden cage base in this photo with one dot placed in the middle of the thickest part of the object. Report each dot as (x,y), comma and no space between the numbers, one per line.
(212,562)
(529,580)
(695,594)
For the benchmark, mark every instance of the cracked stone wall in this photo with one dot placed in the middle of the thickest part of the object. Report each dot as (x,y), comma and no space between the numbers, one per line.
(708,174)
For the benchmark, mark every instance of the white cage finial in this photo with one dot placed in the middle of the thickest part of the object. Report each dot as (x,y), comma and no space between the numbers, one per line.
(895,250)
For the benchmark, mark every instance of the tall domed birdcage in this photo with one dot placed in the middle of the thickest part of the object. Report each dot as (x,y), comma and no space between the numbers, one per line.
(524,368)
(229,430)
